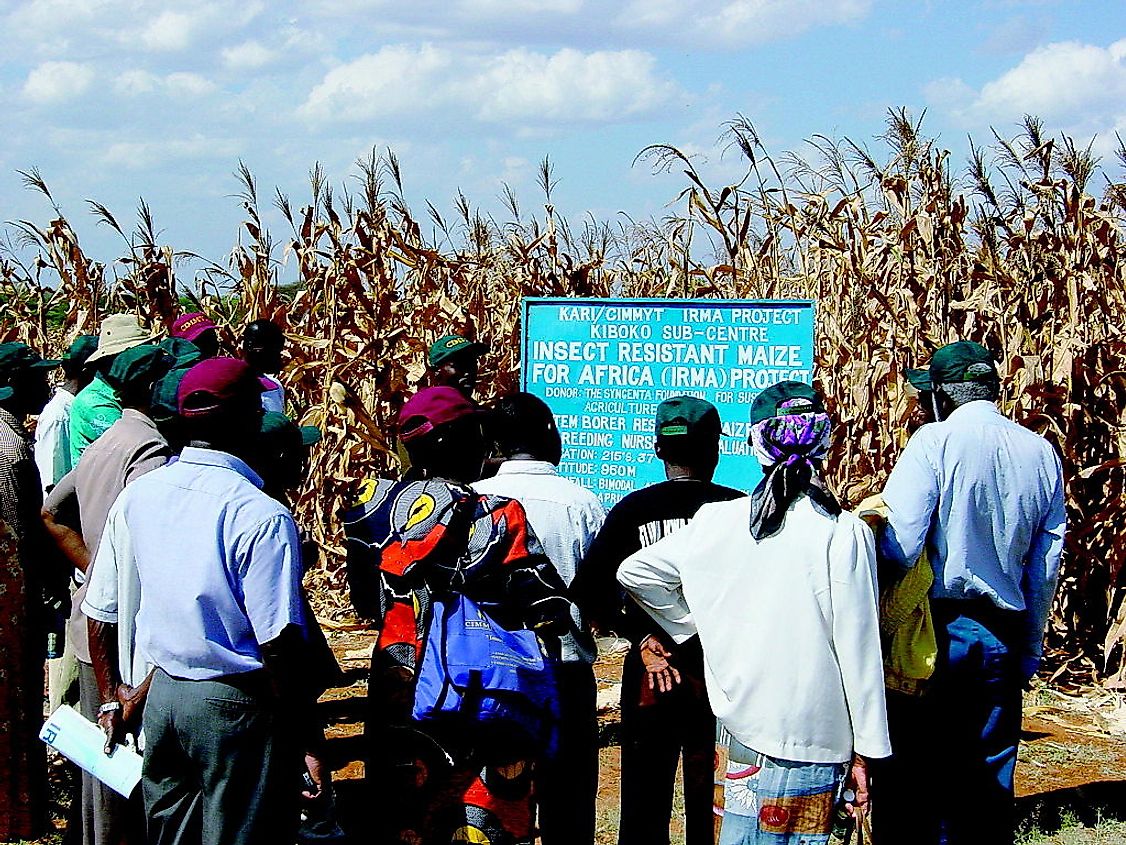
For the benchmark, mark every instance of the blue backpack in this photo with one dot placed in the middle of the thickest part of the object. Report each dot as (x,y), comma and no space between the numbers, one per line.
(485,685)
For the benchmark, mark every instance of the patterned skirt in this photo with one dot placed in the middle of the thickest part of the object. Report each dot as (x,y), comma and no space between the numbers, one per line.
(781,802)
(23,760)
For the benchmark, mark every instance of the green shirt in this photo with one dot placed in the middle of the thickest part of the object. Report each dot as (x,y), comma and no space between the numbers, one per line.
(95,409)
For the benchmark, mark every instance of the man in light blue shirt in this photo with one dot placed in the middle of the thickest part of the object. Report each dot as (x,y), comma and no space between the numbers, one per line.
(221,618)
(985,498)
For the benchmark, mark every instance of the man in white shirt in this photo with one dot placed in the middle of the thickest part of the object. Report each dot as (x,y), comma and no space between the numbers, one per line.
(52,430)
(566,517)
(985,498)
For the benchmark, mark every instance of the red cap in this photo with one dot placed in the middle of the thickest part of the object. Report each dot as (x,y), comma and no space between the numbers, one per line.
(214,384)
(191,326)
(430,408)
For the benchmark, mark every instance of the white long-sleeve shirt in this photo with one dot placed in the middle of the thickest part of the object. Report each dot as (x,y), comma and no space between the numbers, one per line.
(565,516)
(788,625)
(52,439)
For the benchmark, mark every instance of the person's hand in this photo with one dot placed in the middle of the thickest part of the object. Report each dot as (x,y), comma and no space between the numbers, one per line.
(655,657)
(132,703)
(113,726)
(317,771)
(857,782)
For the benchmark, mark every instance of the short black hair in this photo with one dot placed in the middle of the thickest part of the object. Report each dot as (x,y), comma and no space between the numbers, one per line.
(263,333)
(522,422)
(689,449)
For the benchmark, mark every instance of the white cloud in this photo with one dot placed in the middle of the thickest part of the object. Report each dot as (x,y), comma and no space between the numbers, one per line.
(704,24)
(1059,81)
(133,83)
(188,84)
(519,7)
(138,155)
(249,55)
(169,31)
(53,82)
(569,85)
(395,80)
(735,23)
(1077,88)
(517,86)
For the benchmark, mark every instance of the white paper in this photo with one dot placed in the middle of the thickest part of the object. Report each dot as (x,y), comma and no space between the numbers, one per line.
(83,743)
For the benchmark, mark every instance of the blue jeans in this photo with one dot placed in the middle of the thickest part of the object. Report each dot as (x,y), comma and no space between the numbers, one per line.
(950,780)
(777,802)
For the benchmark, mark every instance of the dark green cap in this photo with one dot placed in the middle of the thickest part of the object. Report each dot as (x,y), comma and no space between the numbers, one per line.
(185,352)
(139,365)
(164,405)
(81,348)
(960,362)
(684,415)
(785,398)
(16,357)
(919,379)
(283,432)
(447,347)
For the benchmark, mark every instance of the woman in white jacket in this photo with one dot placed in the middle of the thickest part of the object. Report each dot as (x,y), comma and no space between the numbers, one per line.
(781,587)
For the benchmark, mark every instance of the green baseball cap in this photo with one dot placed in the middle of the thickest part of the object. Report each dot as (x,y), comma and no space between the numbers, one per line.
(785,398)
(447,347)
(164,405)
(81,348)
(962,361)
(919,379)
(16,357)
(687,415)
(185,352)
(284,432)
(138,365)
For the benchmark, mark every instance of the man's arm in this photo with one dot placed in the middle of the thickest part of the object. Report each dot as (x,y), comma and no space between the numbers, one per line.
(911,494)
(651,576)
(532,582)
(1041,574)
(595,589)
(48,443)
(61,522)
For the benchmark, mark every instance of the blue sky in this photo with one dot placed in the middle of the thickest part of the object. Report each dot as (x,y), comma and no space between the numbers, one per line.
(117,99)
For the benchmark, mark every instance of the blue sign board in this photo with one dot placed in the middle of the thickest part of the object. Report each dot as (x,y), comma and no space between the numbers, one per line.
(603,366)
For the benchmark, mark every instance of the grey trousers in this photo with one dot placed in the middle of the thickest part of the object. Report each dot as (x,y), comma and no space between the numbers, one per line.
(107,818)
(221,767)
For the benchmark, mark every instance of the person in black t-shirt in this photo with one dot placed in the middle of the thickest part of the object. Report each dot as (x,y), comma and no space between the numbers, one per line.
(665,711)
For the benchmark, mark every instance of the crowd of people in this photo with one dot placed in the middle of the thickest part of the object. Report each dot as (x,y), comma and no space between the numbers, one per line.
(822,660)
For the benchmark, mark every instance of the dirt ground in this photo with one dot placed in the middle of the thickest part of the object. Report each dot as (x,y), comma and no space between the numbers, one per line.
(1071,774)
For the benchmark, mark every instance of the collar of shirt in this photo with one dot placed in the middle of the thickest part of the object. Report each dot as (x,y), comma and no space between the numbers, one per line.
(525,467)
(9,419)
(64,394)
(138,416)
(978,409)
(224,460)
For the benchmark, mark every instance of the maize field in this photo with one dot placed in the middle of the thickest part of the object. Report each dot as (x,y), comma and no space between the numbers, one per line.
(1022,250)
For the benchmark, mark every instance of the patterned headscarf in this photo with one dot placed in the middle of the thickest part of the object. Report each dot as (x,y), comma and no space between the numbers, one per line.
(790,445)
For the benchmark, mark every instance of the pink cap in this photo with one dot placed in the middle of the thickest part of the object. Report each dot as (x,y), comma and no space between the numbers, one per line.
(215,384)
(432,407)
(191,326)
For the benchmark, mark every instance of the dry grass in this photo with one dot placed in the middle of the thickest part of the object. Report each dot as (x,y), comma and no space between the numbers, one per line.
(903,254)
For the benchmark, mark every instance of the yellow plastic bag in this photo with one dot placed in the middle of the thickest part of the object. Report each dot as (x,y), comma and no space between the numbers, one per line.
(906,623)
